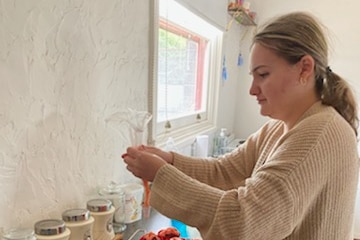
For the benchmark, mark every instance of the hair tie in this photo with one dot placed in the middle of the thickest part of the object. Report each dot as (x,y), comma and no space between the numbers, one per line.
(328,69)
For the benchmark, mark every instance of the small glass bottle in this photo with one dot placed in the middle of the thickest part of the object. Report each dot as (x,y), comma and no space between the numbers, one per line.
(79,222)
(19,234)
(115,193)
(103,212)
(51,229)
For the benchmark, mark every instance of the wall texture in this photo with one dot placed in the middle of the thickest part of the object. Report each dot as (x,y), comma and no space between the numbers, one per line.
(65,67)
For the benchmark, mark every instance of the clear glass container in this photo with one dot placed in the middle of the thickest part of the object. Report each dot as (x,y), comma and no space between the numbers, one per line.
(19,234)
(115,193)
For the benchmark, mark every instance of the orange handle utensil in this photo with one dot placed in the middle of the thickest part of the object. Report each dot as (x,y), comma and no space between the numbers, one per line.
(146,205)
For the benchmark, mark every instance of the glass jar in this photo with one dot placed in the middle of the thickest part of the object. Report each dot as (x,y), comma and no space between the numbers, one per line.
(115,193)
(79,222)
(19,234)
(103,212)
(51,229)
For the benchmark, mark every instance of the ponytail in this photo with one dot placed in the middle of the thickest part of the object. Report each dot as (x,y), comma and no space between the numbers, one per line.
(336,92)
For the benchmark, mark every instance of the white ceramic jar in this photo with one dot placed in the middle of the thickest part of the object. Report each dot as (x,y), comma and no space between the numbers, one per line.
(102,211)
(79,222)
(51,229)
(134,195)
(19,234)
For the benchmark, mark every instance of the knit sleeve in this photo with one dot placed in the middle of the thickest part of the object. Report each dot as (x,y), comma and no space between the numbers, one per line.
(225,172)
(248,212)
(263,199)
(230,170)
(295,181)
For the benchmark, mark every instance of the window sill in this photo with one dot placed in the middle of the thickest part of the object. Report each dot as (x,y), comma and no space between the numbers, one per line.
(184,136)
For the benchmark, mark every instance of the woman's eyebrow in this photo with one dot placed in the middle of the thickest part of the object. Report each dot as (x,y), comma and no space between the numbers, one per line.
(256,68)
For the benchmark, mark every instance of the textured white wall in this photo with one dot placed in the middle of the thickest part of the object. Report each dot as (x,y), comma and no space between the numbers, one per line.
(65,67)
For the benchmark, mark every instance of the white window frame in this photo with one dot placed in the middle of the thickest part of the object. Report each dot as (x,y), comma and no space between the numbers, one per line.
(182,135)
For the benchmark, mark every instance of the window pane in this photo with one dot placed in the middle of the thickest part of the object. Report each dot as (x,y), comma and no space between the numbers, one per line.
(180,73)
(187,69)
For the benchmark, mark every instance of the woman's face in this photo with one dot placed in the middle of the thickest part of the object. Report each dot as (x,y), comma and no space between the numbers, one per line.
(275,83)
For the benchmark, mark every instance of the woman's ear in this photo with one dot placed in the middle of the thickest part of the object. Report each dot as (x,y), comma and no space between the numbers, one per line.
(307,65)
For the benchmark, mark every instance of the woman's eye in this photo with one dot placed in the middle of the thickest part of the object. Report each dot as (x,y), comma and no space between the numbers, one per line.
(263,75)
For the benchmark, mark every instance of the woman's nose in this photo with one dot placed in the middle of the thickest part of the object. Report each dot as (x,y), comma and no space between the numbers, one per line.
(254,89)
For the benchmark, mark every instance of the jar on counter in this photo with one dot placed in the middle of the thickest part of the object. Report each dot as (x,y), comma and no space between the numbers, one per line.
(51,229)
(115,193)
(103,212)
(79,222)
(19,234)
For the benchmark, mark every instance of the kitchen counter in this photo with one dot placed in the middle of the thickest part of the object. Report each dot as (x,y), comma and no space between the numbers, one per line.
(154,223)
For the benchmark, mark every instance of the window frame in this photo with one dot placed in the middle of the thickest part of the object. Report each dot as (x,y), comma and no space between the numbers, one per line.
(205,122)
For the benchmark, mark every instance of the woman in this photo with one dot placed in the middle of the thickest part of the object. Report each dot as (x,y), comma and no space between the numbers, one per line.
(296,177)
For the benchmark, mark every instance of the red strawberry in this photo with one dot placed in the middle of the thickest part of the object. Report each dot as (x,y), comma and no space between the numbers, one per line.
(149,236)
(168,233)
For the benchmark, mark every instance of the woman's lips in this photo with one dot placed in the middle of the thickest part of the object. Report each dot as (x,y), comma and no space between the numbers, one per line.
(261,101)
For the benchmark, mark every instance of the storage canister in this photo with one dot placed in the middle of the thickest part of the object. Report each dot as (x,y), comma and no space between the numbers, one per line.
(115,193)
(79,222)
(134,195)
(51,229)
(102,211)
(19,234)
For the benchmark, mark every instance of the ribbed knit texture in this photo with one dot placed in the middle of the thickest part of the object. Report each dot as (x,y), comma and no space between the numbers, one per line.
(296,185)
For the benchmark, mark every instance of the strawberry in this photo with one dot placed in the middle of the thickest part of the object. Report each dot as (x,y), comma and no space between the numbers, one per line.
(149,236)
(168,233)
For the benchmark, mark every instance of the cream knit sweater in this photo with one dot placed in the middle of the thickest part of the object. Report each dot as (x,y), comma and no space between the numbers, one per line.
(295,185)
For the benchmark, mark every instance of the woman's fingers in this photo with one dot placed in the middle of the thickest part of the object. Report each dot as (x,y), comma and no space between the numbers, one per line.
(142,164)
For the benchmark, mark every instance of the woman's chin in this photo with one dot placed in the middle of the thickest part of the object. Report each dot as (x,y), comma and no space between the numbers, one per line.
(264,113)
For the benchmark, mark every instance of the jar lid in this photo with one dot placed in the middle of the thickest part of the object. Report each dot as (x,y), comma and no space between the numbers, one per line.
(112,189)
(99,205)
(19,234)
(76,215)
(50,227)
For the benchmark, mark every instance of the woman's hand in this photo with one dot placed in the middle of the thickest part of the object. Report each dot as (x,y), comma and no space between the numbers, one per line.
(167,156)
(143,163)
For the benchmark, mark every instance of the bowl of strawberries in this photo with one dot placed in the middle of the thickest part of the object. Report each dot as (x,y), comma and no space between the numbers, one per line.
(169,233)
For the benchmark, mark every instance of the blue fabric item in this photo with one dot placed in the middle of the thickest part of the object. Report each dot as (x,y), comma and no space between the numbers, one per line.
(240,60)
(224,70)
(181,227)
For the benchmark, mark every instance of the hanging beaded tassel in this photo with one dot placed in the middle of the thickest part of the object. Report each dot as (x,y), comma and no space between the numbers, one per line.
(224,70)
(240,61)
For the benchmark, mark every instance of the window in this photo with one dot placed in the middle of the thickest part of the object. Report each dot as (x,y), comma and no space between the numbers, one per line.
(186,74)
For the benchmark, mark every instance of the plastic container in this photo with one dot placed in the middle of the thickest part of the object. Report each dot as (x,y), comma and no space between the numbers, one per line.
(51,229)
(79,222)
(134,195)
(220,143)
(19,234)
(103,212)
(115,193)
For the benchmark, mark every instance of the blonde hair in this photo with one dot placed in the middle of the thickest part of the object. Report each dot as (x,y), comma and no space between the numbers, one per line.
(297,34)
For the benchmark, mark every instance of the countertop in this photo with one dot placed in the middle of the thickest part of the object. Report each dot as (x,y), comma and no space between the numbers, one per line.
(154,223)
